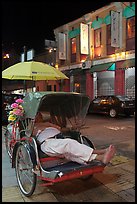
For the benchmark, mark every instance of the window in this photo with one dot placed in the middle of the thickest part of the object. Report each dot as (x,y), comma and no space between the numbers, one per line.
(131,27)
(49,88)
(73,45)
(73,50)
(62,62)
(83,57)
(97,38)
(110,50)
(54,87)
(77,87)
(130,31)
(108,34)
(97,42)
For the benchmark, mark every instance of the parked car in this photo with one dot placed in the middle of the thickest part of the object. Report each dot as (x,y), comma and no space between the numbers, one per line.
(112,105)
(7,100)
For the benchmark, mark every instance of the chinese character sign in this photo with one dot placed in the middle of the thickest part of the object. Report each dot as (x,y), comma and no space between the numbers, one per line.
(84,38)
(115,35)
(62,46)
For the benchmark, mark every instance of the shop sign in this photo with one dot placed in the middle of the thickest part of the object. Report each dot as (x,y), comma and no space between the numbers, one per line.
(62,46)
(83,38)
(115,29)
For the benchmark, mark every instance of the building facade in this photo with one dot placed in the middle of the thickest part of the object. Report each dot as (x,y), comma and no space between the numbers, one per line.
(48,57)
(97,51)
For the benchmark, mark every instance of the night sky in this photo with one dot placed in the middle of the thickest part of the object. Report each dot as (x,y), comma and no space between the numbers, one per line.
(31,22)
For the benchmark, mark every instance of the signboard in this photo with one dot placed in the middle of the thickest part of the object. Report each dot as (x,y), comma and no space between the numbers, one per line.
(50,43)
(84,38)
(62,46)
(115,29)
(22,57)
(30,55)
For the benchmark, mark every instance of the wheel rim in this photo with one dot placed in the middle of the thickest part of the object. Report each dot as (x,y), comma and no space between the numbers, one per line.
(25,177)
(113,113)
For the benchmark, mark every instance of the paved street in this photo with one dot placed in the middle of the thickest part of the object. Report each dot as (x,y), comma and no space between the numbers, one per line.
(115,184)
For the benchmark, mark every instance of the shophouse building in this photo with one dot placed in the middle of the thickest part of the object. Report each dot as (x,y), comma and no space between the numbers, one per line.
(48,56)
(97,51)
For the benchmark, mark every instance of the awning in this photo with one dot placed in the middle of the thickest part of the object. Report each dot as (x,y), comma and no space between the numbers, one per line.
(103,67)
(73,72)
(128,63)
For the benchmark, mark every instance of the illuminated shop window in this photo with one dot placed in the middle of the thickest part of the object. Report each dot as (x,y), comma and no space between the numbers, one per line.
(83,57)
(73,50)
(73,45)
(130,34)
(110,50)
(97,42)
(131,27)
(77,87)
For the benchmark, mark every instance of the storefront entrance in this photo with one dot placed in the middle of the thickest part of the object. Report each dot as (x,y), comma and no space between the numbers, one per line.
(105,83)
(130,82)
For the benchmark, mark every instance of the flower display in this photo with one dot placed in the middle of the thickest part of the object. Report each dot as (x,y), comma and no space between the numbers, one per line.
(17,110)
(14,105)
(19,101)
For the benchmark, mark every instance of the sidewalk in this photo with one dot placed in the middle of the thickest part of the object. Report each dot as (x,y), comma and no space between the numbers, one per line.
(12,194)
(119,177)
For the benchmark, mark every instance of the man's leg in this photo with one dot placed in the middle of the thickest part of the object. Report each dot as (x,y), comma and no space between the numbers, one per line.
(69,148)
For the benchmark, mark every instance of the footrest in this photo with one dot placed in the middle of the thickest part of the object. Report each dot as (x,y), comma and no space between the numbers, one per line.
(69,167)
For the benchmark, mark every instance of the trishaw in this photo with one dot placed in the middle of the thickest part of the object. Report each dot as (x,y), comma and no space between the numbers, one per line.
(29,161)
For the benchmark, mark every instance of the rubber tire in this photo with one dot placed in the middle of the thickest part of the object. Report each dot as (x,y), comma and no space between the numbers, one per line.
(113,113)
(8,138)
(88,142)
(26,161)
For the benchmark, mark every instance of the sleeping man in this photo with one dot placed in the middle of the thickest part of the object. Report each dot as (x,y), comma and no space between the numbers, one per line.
(67,148)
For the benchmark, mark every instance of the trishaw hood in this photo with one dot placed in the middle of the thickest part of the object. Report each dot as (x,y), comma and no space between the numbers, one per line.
(68,104)
(31,103)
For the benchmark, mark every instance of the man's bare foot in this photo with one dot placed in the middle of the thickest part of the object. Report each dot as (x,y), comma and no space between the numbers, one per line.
(109,154)
(100,151)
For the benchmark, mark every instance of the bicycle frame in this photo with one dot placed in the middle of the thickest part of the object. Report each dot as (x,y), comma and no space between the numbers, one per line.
(12,137)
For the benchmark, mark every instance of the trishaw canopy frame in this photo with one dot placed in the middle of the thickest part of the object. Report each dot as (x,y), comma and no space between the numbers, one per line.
(68,104)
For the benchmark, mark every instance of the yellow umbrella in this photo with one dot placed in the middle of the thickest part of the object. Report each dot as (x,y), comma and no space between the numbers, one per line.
(32,71)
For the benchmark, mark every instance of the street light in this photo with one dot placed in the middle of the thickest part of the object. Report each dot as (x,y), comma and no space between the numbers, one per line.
(6,56)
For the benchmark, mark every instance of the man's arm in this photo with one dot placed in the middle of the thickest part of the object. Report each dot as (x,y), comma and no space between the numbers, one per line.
(42,125)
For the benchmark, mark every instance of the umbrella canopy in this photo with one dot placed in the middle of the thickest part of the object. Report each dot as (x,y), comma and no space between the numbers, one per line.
(32,71)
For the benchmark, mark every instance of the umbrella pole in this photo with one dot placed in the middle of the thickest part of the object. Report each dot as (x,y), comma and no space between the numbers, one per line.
(33,84)
(25,87)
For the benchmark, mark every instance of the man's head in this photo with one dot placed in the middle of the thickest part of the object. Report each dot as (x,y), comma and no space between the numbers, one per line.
(38,118)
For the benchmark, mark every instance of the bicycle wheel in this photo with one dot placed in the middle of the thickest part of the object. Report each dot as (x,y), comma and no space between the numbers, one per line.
(8,143)
(23,166)
(87,142)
